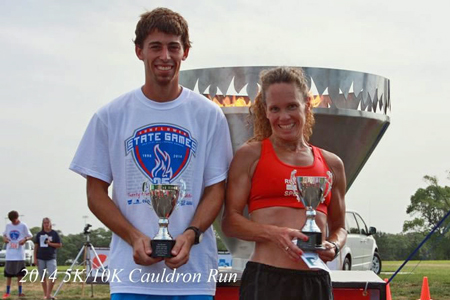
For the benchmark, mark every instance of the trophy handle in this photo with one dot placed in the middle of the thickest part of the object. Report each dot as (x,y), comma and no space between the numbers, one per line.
(296,191)
(329,184)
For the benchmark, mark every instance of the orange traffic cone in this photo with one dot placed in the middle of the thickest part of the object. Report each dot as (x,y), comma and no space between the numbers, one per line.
(388,290)
(425,294)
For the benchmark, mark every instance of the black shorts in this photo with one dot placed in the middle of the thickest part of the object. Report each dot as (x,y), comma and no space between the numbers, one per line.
(14,268)
(261,282)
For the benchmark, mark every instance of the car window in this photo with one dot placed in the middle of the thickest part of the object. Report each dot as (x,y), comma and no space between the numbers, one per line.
(362,224)
(352,225)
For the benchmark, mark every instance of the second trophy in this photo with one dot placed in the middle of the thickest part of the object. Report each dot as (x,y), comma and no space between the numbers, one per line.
(311,191)
(164,198)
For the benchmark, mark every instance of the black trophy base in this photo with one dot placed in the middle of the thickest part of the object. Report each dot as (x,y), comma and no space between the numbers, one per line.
(162,248)
(314,243)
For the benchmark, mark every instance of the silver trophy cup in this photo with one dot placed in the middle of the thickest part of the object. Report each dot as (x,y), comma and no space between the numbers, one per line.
(164,198)
(311,191)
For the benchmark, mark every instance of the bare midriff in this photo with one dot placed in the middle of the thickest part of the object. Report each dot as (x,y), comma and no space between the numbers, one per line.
(271,254)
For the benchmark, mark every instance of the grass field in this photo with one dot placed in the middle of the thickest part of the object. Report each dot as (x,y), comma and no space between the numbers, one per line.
(406,285)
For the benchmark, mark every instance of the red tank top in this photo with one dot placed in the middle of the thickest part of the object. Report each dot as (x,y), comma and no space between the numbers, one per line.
(271,182)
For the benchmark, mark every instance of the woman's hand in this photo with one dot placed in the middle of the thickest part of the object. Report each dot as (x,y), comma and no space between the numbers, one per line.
(329,253)
(283,237)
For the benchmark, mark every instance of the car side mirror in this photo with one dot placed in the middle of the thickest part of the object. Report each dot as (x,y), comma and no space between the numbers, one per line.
(372,230)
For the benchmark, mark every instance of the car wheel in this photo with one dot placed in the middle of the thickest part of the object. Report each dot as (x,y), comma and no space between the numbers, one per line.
(376,263)
(347,264)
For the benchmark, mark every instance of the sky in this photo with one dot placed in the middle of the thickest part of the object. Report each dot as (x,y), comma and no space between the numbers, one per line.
(62,60)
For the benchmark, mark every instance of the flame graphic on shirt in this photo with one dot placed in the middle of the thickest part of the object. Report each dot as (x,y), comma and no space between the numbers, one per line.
(162,161)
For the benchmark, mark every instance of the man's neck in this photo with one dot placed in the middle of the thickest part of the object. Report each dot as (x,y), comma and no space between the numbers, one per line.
(162,93)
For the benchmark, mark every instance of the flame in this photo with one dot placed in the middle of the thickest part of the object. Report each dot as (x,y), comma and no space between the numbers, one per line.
(162,161)
(235,101)
(231,101)
(315,100)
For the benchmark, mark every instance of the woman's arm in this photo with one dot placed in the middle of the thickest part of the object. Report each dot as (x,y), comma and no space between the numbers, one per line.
(336,209)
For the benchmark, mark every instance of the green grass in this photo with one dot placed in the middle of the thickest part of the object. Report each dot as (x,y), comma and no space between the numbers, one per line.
(406,285)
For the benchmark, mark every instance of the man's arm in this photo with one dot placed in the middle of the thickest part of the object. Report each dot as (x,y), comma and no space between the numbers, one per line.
(5,239)
(107,212)
(28,236)
(207,211)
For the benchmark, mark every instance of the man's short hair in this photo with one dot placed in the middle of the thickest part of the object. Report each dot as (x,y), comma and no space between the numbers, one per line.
(164,20)
(13,215)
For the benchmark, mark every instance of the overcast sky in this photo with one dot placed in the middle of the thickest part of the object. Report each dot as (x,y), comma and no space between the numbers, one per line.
(62,60)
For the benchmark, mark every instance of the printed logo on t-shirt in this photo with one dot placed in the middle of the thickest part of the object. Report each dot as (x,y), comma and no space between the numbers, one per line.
(161,151)
(14,235)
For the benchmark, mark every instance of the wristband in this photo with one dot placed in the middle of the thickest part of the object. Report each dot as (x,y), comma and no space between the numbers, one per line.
(336,249)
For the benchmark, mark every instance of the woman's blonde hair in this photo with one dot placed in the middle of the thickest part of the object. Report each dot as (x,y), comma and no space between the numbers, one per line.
(46,219)
(261,125)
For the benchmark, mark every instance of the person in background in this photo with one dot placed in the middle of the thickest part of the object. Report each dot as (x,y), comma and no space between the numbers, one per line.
(260,177)
(160,133)
(45,244)
(15,236)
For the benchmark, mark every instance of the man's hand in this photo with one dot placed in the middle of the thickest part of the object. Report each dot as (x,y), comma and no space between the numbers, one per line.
(6,240)
(22,242)
(142,251)
(181,250)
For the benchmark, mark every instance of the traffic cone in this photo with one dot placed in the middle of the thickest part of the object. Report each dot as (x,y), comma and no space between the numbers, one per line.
(388,290)
(425,294)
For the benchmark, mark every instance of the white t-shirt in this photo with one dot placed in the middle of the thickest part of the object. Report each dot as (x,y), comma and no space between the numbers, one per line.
(133,140)
(15,234)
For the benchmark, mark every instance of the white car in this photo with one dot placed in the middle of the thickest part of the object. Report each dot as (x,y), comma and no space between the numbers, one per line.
(29,254)
(360,251)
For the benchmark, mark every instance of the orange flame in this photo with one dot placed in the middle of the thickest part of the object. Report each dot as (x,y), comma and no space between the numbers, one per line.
(315,100)
(230,102)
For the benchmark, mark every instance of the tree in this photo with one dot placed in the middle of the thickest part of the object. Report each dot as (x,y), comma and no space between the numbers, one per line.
(429,206)
(35,230)
(72,243)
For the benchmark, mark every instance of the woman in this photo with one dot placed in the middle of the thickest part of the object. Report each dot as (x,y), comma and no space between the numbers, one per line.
(45,245)
(260,178)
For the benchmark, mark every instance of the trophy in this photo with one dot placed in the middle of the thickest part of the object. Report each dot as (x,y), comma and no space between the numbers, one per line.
(311,191)
(164,198)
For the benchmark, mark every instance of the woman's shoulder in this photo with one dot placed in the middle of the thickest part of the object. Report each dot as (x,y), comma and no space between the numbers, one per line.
(252,148)
(333,161)
(247,154)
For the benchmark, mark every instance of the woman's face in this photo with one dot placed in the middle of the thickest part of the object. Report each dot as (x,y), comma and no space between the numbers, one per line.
(286,111)
(46,224)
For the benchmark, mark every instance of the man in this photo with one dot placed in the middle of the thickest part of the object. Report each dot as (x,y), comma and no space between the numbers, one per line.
(15,236)
(45,244)
(161,133)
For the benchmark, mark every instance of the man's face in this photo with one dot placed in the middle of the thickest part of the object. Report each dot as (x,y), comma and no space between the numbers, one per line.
(162,54)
